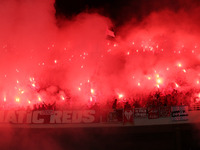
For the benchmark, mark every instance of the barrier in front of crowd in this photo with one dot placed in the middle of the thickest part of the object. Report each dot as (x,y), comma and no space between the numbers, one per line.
(115,117)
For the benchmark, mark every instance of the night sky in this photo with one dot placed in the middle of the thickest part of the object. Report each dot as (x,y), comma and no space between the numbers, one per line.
(121,11)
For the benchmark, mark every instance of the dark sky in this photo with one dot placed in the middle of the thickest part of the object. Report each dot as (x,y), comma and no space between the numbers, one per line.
(120,11)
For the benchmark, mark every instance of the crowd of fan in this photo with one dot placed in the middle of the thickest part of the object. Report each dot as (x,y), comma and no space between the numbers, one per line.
(158,99)
(44,106)
(155,99)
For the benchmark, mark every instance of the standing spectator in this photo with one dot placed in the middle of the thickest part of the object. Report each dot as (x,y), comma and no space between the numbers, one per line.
(114,106)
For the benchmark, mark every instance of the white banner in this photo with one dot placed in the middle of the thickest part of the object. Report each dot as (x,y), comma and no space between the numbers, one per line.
(179,113)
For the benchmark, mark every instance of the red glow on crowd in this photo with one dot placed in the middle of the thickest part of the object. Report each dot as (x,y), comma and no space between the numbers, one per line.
(80,62)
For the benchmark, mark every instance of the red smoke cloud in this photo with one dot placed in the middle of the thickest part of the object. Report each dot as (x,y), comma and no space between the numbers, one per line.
(44,59)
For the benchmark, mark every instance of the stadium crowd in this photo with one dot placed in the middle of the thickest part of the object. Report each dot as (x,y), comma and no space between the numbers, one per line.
(155,99)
